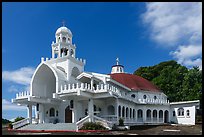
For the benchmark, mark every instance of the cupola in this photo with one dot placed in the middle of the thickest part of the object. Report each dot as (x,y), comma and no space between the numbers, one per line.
(117,68)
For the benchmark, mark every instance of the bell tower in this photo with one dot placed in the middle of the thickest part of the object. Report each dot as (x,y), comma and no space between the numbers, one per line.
(63,44)
(117,68)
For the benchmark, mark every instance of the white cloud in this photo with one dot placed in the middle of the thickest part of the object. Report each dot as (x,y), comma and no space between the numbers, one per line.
(21,76)
(179,25)
(7,105)
(15,88)
(196,62)
(172,21)
(187,52)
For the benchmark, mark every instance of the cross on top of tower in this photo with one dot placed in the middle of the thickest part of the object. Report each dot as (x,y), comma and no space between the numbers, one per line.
(63,23)
(117,61)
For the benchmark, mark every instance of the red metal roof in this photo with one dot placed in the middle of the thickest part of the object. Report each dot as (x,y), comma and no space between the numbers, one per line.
(134,82)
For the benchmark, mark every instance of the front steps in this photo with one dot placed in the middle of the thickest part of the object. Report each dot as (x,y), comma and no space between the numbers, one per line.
(50,126)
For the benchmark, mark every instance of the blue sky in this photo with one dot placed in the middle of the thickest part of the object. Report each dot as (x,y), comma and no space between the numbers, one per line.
(140,34)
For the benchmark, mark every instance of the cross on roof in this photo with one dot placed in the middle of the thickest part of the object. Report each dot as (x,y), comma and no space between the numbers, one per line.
(117,61)
(63,23)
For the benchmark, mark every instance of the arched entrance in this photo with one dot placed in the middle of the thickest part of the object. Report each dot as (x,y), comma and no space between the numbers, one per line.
(68,115)
(166,116)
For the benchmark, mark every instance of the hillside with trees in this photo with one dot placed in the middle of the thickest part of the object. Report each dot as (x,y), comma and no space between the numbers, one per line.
(5,121)
(176,81)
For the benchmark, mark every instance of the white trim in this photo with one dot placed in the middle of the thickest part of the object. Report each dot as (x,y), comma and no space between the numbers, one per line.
(185,102)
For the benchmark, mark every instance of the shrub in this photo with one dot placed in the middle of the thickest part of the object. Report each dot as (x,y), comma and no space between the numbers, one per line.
(121,122)
(18,119)
(92,126)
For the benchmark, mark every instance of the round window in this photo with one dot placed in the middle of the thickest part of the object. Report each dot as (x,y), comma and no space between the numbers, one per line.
(144,96)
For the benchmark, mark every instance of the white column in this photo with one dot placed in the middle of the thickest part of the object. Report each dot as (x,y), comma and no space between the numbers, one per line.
(158,116)
(53,53)
(59,51)
(74,112)
(144,115)
(90,109)
(41,112)
(135,114)
(91,83)
(29,113)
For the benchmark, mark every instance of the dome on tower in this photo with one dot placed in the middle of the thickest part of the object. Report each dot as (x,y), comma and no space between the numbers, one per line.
(64,30)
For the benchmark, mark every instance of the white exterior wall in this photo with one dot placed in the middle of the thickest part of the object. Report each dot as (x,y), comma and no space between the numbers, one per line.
(149,95)
(188,120)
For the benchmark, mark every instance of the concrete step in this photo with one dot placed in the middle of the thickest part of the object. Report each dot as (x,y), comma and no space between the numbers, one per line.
(50,126)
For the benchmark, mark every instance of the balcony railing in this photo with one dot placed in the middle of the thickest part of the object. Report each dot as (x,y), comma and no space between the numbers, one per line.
(87,87)
(24,94)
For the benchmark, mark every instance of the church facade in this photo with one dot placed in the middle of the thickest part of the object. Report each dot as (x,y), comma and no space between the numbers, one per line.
(62,92)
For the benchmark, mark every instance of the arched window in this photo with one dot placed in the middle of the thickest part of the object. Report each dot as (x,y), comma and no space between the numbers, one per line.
(52,112)
(188,113)
(130,112)
(133,115)
(119,111)
(155,97)
(180,112)
(148,113)
(127,112)
(154,113)
(139,113)
(71,104)
(160,114)
(174,113)
(123,112)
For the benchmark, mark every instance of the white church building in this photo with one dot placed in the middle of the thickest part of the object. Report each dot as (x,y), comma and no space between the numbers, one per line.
(62,93)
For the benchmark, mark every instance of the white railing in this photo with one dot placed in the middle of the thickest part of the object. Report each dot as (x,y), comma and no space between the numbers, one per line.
(20,123)
(160,119)
(139,119)
(103,122)
(112,118)
(87,87)
(152,101)
(24,94)
(82,121)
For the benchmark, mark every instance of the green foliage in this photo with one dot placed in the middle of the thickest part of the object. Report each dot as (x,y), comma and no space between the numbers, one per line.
(18,119)
(121,122)
(5,121)
(92,126)
(176,81)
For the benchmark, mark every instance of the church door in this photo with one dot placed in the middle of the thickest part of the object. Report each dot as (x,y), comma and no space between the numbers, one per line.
(166,116)
(68,115)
